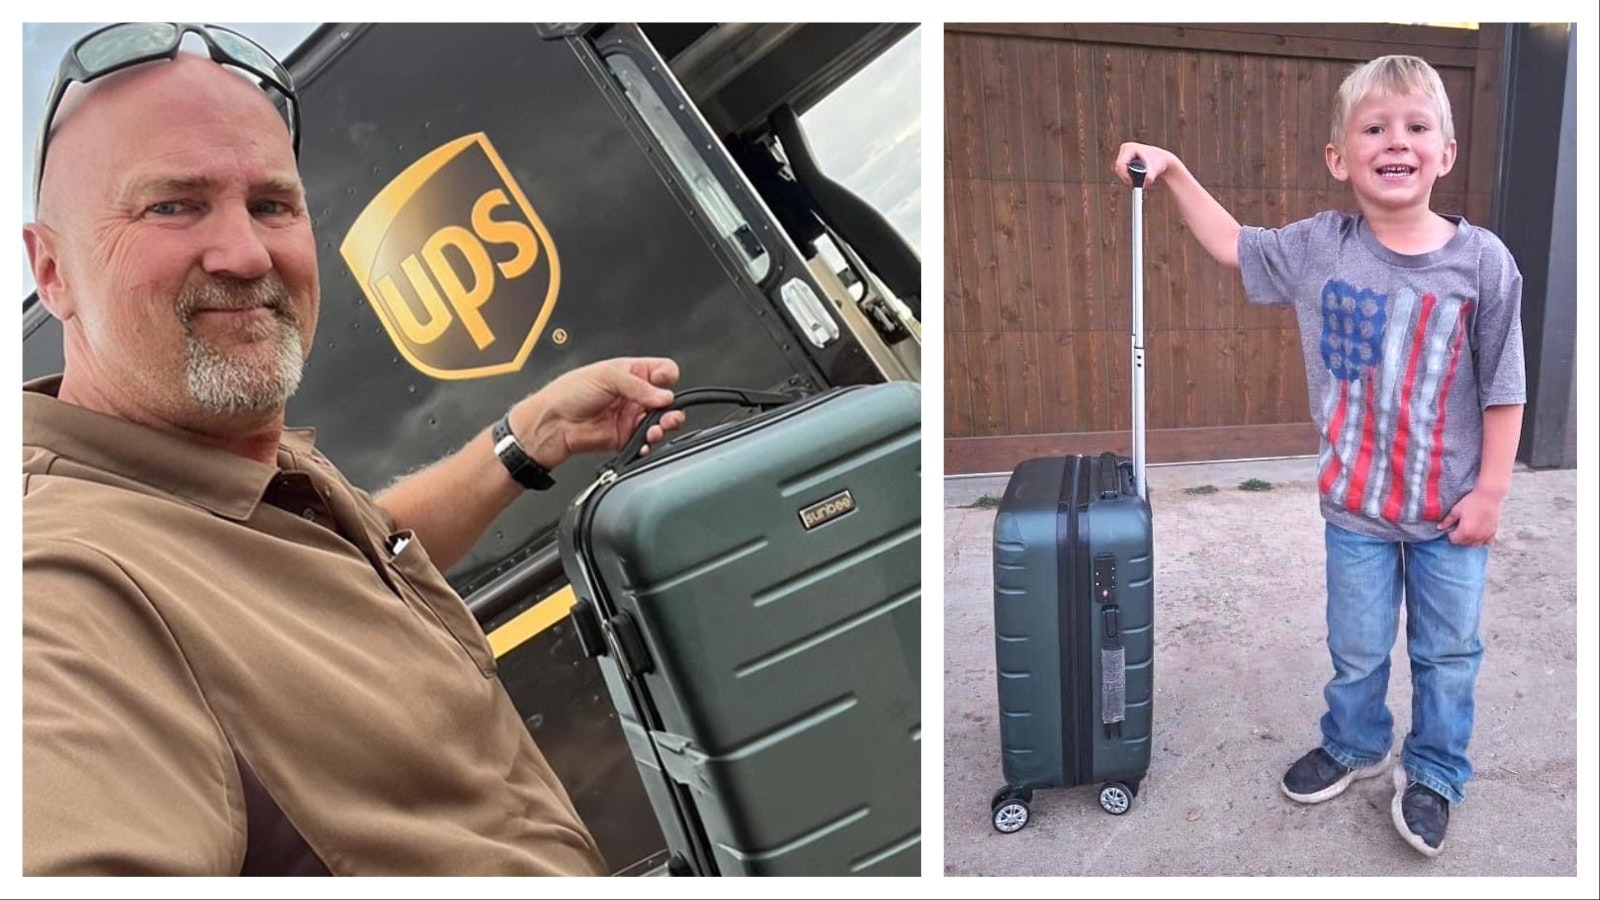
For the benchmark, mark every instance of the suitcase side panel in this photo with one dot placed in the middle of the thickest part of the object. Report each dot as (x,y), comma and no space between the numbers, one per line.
(1027,625)
(785,660)
(1119,530)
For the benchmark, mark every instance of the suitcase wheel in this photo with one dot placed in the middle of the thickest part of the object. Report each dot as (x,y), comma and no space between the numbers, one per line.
(1115,798)
(1010,815)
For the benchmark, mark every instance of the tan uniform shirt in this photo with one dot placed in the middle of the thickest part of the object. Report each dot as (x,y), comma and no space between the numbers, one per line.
(226,669)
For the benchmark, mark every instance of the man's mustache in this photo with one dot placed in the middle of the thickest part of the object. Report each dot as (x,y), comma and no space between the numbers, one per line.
(266,292)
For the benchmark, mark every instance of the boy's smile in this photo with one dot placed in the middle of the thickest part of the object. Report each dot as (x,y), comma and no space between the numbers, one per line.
(1394,150)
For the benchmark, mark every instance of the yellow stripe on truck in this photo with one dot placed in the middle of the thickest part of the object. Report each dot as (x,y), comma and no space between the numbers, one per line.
(535,619)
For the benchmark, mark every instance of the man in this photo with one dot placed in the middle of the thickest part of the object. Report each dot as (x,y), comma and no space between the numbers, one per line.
(233,660)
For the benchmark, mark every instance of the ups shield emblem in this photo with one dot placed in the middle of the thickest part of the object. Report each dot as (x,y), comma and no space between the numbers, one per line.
(456,263)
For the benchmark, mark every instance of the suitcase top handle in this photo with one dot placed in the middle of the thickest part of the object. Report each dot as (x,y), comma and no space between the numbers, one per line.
(1136,171)
(695,397)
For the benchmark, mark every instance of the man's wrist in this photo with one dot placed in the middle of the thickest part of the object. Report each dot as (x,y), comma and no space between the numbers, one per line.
(522,468)
(541,438)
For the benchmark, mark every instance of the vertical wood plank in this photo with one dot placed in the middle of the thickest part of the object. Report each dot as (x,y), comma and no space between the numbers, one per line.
(957,387)
(1316,104)
(1187,144)
(1086,310)
(1293,404)
(1114,265)
(1022,390)
(954,306)
(1160,406)
(975,115)
(1089,372)
(1054,415)
(1091,64)
(1118,368)
(1047,221)
(958,162)
(1484,136)
(1042,110)
(987,367)
(1180,373)
(1110,108)
(986,259)
(1003,153)
(1226,180)
(1328,79)
(1015,281)
(1458,87)
(1252,389)
(1075,74)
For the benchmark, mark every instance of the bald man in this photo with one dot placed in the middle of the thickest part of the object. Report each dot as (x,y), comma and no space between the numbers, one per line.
(234,662)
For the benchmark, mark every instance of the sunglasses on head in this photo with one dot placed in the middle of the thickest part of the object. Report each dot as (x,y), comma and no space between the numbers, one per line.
(117,47)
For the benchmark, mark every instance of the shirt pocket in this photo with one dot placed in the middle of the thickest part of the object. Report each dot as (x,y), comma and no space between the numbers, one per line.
(428,585)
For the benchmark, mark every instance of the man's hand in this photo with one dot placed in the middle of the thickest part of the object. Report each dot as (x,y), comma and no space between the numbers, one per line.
(596,407)
(1475,519)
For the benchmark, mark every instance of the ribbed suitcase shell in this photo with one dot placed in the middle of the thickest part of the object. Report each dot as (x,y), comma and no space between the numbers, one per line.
(1052,525)
(784,662)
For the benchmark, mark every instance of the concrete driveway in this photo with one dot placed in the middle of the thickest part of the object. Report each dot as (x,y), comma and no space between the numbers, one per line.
(1239,668)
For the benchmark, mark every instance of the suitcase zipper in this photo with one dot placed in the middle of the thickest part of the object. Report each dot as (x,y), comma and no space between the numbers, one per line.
(606,477)
(602,632)
(1080,622)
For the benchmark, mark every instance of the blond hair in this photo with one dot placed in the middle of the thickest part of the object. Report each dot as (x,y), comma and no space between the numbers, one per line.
(1395,76)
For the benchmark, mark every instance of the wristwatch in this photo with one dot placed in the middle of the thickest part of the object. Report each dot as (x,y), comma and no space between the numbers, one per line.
(522,467)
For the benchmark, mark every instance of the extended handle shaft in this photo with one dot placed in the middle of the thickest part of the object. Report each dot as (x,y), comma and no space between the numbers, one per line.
(1136,170)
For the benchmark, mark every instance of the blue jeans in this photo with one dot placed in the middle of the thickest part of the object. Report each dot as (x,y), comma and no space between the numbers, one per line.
(1442,585)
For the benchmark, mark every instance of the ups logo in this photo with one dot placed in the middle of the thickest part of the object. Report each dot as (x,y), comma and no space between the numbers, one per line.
(452,256)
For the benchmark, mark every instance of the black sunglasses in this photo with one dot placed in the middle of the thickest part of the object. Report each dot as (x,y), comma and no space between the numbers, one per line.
(118,47)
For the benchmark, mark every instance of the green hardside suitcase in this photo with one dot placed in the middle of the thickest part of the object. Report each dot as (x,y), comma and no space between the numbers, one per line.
(1074,611)
(753,593)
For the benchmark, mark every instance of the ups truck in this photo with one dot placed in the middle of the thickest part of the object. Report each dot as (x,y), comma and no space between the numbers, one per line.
(495,205)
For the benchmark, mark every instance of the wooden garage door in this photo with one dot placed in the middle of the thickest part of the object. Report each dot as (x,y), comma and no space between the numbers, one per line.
(1037,262)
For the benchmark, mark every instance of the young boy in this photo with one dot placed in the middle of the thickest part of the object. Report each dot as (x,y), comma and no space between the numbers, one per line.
(1409,321)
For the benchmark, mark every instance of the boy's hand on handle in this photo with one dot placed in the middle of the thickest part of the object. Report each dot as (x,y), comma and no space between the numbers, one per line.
(1156,161)
(1474,520)
(1213,227)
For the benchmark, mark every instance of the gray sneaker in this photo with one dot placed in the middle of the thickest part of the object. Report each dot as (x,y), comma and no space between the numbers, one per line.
(1317,776)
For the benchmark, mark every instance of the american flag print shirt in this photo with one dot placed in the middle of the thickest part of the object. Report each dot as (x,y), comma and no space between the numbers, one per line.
(1402,354)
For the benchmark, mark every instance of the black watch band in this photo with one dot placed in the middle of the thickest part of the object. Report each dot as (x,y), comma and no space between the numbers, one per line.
(522,467)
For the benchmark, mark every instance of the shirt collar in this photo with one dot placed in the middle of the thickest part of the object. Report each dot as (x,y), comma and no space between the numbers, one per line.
(225,483)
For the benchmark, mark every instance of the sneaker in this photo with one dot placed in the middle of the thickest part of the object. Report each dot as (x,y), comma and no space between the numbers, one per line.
(1317,776)
(1420,813)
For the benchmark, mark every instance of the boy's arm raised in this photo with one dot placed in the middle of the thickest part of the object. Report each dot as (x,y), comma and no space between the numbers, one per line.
(1215,228)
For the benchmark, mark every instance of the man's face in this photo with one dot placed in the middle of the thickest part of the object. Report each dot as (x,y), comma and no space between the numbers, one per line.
(1394,150)
(187,267)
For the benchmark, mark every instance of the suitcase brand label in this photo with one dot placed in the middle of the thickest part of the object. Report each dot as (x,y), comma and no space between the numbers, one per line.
(827,510)
(458,266)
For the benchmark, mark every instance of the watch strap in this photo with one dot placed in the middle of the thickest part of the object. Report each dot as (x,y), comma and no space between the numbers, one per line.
(522,467)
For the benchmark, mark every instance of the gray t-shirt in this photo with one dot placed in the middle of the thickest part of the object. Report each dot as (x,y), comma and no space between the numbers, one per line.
(1402,355)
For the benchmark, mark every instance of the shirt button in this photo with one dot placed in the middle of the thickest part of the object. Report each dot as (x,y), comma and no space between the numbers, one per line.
(310,514)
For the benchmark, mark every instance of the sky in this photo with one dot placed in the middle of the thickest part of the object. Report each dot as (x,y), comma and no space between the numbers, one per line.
(867,134)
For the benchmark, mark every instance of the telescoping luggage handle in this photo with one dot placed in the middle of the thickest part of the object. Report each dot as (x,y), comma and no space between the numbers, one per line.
(686,399)
(1136,171)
